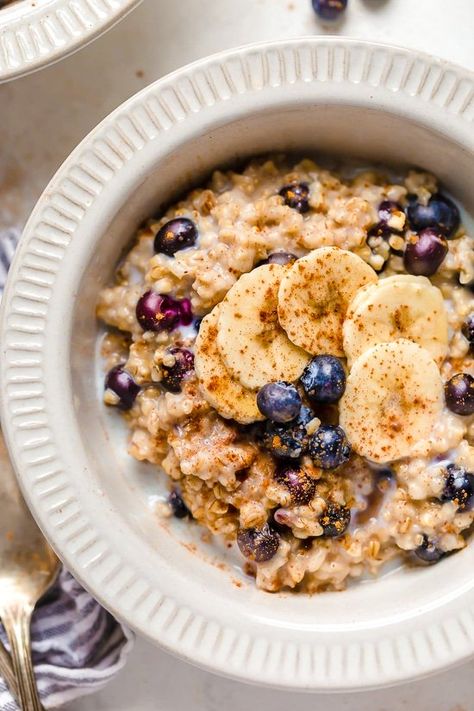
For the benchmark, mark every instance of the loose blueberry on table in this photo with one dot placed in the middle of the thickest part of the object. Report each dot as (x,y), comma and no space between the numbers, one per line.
(329,9)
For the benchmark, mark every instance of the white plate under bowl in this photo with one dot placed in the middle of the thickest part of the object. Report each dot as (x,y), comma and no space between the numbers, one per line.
(35,33)
(335,95)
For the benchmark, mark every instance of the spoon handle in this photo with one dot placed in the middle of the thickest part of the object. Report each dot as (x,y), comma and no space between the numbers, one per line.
(16,621)
(6,671)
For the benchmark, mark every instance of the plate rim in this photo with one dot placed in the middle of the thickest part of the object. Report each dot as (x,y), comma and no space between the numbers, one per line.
(25,312)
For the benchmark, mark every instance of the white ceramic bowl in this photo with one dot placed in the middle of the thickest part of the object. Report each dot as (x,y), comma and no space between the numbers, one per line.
(35,33)
(90,498)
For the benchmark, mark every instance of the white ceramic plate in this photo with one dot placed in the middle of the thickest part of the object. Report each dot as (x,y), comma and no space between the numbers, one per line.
(35,33)
(89,497)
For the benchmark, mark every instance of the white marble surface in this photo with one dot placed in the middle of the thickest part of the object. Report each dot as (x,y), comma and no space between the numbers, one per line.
(43,117)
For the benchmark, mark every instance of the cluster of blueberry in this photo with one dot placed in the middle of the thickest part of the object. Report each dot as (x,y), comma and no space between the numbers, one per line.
(160,312)
(286,436)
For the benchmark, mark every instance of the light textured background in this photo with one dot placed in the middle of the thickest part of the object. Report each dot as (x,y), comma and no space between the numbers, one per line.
(44,116)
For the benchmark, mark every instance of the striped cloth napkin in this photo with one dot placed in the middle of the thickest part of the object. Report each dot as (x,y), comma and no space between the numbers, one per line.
(77,645)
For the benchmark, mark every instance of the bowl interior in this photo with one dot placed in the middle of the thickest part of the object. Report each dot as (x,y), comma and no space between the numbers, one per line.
(130,487)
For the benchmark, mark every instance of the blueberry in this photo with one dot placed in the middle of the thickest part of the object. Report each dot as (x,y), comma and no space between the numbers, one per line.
(288,440)
(335,520)
(440,213)
(123,386)
(178,507)
(173,375)
(296,196)
(279,401)
(197,324)
(158,312)
(459,487)
(388,210)
(425,252)
(324,379)
(328,447)
(260,544)
(301,486)
(281,258)
(468,330)
(428,552)
(329,9)
(185,312)
(175,235)
(459,394)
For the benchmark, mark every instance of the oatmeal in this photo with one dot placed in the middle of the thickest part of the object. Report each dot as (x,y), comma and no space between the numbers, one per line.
(293,347)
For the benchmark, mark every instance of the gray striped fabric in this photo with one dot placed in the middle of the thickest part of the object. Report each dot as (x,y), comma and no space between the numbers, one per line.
(77,645)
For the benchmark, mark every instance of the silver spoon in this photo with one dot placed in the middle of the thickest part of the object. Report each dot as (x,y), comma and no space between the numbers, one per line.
(28,567)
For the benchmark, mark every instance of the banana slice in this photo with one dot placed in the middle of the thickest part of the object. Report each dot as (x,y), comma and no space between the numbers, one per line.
(314,295)
(225,394)
(393,398)
(402,306)
(252,343)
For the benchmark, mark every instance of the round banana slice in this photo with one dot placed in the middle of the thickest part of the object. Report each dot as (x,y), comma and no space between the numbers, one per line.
(397,307)
(255,348)
(314,295)
(360,296)
(225,394)
(393,398)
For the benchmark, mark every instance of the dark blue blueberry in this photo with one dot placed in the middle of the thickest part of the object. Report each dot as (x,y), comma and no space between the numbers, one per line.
(459,394)
(468,330)
(425,252)
(428,552)
(299,483)
(197,323)
(120,382)
(287,440)
(259,544)
(279,401)
(328,447)
(178,507)
(296,196)
(173,375)
(158,312)
(175,235)
(329,9)
(459,487)
(335,520)
(324,379)
(440,213)
(281,258)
